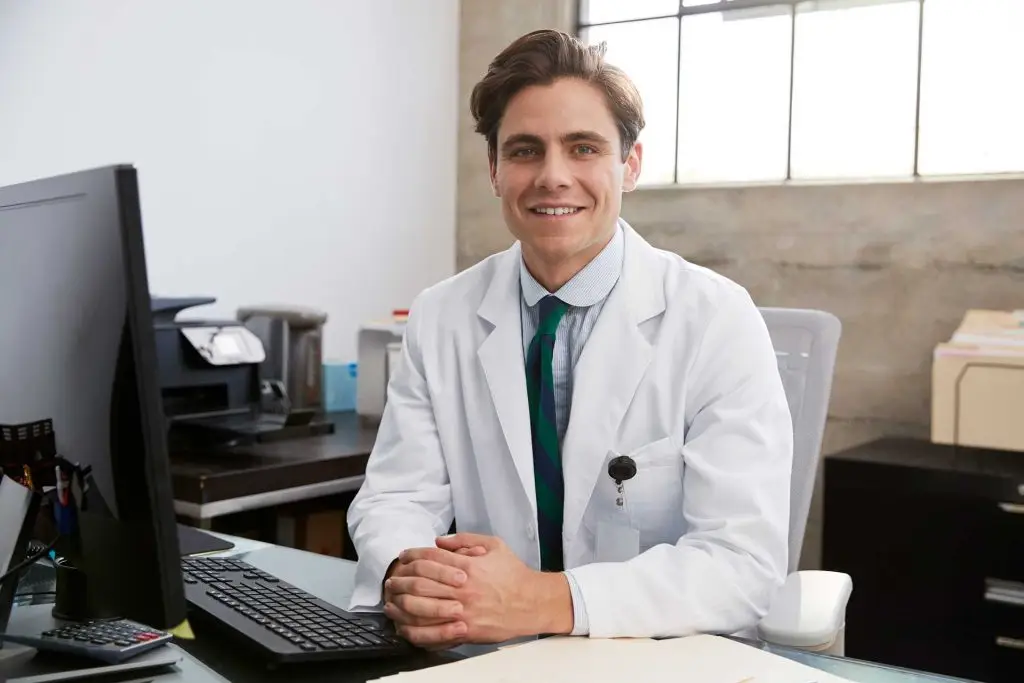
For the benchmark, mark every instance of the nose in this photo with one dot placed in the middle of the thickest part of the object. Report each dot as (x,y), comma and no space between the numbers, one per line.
(555,173)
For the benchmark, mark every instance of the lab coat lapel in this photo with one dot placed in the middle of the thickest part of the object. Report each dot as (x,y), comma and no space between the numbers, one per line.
(501,356)
(606,377)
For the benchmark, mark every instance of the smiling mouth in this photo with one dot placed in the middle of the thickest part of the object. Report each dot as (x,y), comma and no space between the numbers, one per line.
(556,211)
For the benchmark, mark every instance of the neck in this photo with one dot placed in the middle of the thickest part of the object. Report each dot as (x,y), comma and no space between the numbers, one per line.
(553,274)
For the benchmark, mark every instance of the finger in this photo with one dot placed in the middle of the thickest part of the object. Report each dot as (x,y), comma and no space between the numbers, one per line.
(439,647)
(434,571)
(405,619)
(434,637)
(435,555)
(417,585)
(465,540)
(428,608)
(475,551)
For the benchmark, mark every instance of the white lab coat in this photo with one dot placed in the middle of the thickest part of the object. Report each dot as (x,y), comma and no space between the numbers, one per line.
(679,373)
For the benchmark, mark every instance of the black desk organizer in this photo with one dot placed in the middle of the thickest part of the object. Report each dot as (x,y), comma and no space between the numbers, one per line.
(28,454)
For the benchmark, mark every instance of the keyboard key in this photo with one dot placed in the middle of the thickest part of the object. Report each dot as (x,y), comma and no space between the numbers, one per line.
(369,625)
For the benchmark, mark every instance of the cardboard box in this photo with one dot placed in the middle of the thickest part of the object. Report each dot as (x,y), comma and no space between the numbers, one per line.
(319,532)
(324,533)
(978,383)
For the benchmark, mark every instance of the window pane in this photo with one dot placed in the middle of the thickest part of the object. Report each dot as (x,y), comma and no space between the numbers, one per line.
(598,11)
(646,51)
(854,90)
(734,96)
(972,106)
(699,3)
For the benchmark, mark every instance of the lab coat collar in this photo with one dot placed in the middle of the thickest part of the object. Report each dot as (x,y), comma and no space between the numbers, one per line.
(606,376)
(587,287)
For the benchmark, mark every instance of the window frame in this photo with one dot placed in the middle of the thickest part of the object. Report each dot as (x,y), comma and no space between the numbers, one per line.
(722,6)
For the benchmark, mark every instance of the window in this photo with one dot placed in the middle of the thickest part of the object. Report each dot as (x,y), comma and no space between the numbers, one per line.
(771,90)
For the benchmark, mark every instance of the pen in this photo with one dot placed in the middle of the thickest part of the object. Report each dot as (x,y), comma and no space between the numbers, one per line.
(62,488)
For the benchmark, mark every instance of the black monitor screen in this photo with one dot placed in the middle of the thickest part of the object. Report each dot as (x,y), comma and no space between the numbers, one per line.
(77,351)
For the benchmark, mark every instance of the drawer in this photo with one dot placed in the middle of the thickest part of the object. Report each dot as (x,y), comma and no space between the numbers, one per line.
(1002,532)
(1001,617)
(1004,646)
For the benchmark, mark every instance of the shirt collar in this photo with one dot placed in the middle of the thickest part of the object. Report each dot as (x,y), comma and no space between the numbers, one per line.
(592,284)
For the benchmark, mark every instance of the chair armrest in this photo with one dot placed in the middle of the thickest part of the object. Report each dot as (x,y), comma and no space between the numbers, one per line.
(809,612)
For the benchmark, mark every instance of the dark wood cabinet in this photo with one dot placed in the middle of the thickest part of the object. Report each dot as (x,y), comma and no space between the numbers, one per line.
(933,537)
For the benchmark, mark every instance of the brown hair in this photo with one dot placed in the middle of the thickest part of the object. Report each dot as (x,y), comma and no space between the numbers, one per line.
(540,58)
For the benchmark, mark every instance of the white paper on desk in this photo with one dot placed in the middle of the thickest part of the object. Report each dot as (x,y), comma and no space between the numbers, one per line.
(554,659)
(698,659)
(15,501)
(734,662)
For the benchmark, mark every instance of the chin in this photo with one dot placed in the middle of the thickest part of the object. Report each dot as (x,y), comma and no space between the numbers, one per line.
(556,247)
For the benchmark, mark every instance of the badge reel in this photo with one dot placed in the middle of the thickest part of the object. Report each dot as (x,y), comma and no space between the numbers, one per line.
(617,540)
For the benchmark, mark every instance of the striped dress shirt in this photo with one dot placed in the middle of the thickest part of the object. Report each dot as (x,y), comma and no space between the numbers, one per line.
(585,293)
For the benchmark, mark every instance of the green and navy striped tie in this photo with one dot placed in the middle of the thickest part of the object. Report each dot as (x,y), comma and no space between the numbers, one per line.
(547,461)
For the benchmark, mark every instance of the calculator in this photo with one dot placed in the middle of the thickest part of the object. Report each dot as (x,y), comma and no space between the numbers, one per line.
(111,641)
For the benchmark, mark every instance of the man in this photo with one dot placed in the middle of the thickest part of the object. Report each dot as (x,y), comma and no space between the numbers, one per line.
(533,380)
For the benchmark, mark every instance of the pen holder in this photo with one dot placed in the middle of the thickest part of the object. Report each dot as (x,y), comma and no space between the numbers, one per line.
(75,601)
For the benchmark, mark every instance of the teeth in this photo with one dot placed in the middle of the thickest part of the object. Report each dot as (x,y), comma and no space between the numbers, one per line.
(559,211)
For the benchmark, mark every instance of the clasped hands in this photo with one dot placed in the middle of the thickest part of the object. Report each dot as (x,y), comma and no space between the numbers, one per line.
(472,588)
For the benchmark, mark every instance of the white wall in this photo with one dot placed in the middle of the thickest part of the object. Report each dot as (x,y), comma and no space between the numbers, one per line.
(296,151)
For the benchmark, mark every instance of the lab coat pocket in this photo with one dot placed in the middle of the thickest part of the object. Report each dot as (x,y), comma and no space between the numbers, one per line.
(654,497)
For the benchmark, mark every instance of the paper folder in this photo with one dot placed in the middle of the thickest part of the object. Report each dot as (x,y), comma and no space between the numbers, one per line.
(694,659)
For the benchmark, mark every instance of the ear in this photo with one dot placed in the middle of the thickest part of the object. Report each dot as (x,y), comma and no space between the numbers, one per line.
(634,161)
(492,162)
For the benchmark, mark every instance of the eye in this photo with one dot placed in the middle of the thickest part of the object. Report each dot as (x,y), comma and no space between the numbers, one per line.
(523,153)
(586,149)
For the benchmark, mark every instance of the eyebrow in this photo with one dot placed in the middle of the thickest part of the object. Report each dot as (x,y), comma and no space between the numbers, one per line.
(575,136)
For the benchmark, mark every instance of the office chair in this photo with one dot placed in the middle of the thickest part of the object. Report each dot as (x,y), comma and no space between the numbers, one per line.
(810,610)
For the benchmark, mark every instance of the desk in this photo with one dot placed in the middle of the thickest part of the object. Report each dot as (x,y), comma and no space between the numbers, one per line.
(210,484)
(212,659)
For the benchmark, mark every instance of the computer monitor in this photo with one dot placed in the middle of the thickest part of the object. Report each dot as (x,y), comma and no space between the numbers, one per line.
(77,348)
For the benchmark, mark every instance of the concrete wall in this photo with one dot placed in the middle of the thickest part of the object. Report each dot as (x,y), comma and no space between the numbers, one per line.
(897,262)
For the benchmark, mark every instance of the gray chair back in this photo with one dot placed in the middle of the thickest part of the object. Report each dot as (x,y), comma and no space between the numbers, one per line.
(806,342)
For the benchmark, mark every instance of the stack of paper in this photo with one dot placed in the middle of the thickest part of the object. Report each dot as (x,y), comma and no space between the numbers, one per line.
(15,502)
(997,331)
(696,659)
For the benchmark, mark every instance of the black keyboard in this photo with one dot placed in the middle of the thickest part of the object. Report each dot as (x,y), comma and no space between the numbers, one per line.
(284,623)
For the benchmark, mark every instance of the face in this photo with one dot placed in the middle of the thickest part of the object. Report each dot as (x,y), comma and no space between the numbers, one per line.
(559,171)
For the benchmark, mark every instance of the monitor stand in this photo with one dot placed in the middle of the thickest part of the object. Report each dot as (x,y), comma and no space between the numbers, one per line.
(20,664)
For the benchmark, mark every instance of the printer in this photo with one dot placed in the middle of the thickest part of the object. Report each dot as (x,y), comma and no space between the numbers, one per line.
(212,384)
